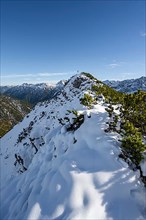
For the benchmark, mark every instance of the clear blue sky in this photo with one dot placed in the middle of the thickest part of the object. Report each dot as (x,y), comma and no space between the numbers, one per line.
(50,40)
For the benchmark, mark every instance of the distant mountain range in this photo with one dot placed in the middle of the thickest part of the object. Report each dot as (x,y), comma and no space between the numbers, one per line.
(33,93)
(11,112)
(129,85)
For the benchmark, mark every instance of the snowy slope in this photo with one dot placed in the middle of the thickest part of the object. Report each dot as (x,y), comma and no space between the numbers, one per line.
(70,174)
(129,85)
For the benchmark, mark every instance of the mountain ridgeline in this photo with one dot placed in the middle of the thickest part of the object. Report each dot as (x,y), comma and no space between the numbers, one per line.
(30,94)
(82,151)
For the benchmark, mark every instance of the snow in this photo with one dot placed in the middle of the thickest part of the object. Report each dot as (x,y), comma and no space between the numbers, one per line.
(143,166)
(66,179)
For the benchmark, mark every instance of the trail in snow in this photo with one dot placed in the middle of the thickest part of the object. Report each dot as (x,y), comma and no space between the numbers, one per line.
(86,182)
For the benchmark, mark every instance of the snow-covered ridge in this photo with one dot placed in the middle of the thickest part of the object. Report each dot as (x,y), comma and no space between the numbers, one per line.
(58,163)
(129,85)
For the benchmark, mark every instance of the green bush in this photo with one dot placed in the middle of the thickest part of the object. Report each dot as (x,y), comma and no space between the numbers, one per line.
(87,100)
(111,95)
(132,145)
(134,110)
(133,148)
(78,121)
(89,75)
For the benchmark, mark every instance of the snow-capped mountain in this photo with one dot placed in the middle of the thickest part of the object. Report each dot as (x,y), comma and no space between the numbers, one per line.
(129,85)
(59,163)
(11,112)
(33,93)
